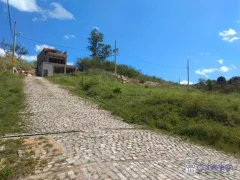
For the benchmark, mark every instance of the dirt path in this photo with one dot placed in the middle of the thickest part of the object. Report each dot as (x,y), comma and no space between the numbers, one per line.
(95,145)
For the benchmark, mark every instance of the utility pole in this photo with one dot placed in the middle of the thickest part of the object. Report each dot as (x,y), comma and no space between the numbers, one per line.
(14,46)
(188,71)
(115,57)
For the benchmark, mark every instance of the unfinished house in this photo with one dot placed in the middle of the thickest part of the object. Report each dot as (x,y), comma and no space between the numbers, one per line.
(50,61)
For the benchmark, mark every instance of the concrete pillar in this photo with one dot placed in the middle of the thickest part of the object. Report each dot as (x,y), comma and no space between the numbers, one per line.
(65,69)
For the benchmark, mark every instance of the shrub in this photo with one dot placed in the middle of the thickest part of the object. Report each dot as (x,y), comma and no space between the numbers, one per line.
(117,90)
(88,84)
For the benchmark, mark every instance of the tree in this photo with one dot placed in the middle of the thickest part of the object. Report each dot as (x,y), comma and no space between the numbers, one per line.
(8,49)
(202,82)
(97,47)
(221,80)
(105,51)
(20,50)
(209,85)
(234,80)
(95,40)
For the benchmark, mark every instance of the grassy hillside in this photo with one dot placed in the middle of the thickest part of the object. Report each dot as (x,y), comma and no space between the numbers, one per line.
(208,118)
(122,69)
(6,64)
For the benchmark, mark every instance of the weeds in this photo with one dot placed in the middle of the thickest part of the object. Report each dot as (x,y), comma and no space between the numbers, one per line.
(206,117)
(11,102)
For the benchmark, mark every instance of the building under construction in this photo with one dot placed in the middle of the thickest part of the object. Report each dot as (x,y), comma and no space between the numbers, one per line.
(50,61)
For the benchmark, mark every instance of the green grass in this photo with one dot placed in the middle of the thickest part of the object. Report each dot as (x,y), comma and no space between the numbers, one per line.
(11,166)
(209,118)
(11,102)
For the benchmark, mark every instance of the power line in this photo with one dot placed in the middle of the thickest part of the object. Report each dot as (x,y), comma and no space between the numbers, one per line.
(163,65)
(67,47)
(9,18)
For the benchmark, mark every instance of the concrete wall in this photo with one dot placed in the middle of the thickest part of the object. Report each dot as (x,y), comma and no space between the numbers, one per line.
(45,67)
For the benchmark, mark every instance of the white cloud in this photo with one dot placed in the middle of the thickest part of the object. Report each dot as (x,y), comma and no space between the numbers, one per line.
(57,11)
(206,54)
(29,58)
(70,63)
(234,39)
(224,69)
(24,5)
(230,32)
(25,57)
(39,48)
(205,72)
(185,82)
(43,18)
(70,36)
(237,21)
(233,66)
(220,61)
(2,53)
(228,39)
(229,35)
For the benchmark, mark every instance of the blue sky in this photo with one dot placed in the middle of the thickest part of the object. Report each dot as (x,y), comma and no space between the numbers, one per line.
(154,36)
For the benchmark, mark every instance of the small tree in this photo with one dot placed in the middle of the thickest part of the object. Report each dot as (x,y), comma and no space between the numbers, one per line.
(202,82)
(209,85)
(83,63)
(8,49)
(221,80)
(20,50)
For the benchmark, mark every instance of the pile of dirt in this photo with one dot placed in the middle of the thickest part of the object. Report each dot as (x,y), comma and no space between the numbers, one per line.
(127,80)
(25,73)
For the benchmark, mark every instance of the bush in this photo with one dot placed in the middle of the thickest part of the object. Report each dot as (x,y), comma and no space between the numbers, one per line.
(84,64)
(88,84)
(117,90)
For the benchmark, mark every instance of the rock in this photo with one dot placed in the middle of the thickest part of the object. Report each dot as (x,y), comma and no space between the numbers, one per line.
(72,175)
(20,153)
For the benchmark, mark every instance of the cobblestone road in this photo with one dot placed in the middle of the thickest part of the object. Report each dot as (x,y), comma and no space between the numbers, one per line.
(96,145)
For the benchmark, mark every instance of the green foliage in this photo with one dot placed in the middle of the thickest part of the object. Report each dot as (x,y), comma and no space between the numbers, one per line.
(221,80)
(234,80)
(125,70)
(5,173)
(96,46)
(206,117)
(11,102)
(13,167)
(117,90)
(221,85)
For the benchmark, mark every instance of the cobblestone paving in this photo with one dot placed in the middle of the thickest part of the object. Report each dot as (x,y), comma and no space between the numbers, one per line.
(96,145)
